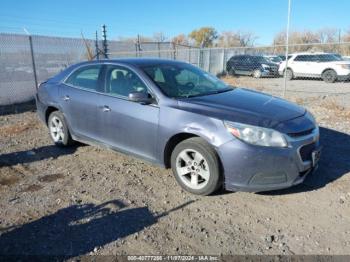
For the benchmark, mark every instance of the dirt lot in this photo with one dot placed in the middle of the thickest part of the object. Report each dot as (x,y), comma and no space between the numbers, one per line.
(89,200)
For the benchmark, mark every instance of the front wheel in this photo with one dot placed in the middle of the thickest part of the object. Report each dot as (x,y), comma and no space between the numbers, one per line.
(59,130)
(196,167)
(329,76)
(257,73)
(289,74)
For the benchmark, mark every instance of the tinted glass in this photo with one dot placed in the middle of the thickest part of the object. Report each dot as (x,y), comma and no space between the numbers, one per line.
(258,59)
(276,59)
(328,58)
(86,77)
(121,81)
(184,80)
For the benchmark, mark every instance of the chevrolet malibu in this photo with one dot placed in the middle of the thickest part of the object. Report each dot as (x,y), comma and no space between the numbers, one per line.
(175,115)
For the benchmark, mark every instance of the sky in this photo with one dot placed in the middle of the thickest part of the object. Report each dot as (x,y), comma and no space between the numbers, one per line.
(125,18)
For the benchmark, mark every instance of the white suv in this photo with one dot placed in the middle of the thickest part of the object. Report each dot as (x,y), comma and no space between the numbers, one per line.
(316,65)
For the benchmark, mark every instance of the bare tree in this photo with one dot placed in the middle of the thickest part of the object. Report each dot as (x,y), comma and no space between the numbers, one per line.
(159,37)
(235,39)
(180,39)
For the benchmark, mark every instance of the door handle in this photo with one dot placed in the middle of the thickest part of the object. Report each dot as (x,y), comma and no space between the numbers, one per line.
(66,98)
(106,109)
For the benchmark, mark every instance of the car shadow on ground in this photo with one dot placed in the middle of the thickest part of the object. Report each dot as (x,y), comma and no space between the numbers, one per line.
(77,229)
(36,154)
(334,163)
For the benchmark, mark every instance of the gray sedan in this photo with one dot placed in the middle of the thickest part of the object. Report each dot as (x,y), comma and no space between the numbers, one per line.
(174,114)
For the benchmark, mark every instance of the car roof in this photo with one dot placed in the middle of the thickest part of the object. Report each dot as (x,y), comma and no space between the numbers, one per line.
(135,61)
(311,53)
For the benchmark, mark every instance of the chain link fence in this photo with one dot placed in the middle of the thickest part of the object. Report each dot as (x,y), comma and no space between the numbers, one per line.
(26,60)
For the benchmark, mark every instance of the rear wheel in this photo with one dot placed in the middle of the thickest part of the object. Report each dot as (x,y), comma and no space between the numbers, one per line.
(232,72)
(329,76)
(196,167)
(58,129)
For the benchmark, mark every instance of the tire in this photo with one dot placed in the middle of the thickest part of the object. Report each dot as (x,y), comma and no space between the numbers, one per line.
(289,74)
(58,129)
(257,73)
(196,166)
(232,72)
(329,76)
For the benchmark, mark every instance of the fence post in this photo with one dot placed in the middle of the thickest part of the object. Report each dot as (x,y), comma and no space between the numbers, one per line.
(33,61)
(174,47)
(223,60)
(158,45)
(209,56)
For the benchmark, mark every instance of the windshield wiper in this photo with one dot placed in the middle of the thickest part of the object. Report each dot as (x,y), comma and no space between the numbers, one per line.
(211,93)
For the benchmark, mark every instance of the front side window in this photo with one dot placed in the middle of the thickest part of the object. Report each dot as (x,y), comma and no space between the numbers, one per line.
(121,81)
(184,80)
(86,77)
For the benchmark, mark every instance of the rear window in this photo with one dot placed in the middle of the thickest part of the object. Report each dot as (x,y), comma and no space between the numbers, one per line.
(305,58)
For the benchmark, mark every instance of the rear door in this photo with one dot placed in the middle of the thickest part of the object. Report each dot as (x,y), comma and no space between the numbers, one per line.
(242,65)
(302,65)
(79,100)
(127,125)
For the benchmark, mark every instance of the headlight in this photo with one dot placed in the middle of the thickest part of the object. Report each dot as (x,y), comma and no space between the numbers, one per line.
(256,135)
(344,66)
(265,66)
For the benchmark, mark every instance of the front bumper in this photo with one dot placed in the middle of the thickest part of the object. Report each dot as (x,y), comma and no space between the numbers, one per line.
(256,168)
(269,72)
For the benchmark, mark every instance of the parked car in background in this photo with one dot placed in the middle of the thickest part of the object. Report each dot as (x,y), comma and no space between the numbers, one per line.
(256,66)
(283,57)
(174,114)
(316,65)
(275,59)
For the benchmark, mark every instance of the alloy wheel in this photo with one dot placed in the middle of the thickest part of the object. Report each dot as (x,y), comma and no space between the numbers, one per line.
(56,129)
(192,168)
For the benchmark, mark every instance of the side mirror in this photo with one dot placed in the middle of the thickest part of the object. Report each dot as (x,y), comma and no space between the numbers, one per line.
(141,97)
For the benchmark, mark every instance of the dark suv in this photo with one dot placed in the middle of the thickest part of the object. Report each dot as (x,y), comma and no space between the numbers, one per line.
(256,66)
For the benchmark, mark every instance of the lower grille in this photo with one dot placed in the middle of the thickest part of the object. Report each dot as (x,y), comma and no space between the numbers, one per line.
(306,152)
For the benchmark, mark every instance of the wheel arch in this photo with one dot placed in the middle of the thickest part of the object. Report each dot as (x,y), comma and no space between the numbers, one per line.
(328,68)
(48,111)
(172,143)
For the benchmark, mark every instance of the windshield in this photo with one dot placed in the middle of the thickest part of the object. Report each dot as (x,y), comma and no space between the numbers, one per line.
(184,80)
(276,59)
(260,59)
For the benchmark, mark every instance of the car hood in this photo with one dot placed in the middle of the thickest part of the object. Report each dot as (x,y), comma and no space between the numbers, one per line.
(244,106)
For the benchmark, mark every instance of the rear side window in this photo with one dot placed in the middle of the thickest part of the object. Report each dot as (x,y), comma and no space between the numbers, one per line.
(86,78)
(305,58)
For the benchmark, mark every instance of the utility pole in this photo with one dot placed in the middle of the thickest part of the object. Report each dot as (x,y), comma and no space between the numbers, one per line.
(287,48)
(97,51)
(105,45)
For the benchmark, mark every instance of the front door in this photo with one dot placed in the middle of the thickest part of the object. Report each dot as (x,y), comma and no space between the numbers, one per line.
(127,125)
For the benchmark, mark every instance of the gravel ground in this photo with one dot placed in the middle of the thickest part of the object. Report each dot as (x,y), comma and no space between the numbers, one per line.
(90,200)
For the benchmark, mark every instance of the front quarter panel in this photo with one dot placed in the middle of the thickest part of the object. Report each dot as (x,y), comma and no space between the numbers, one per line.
(174,120)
